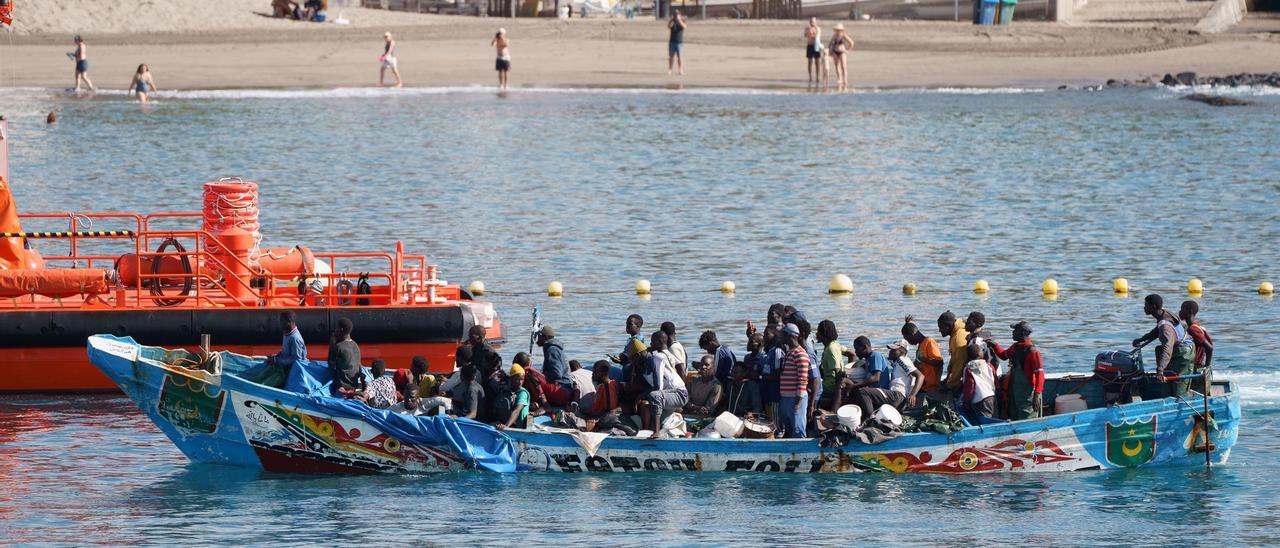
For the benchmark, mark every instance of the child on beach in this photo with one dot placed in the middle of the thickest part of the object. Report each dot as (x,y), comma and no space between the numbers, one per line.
(142,83)
(388,60)
(502,44)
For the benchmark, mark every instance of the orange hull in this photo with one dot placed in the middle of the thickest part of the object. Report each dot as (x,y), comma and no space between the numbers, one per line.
(48,370)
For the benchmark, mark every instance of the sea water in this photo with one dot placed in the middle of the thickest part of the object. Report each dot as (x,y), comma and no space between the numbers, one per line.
(773,191)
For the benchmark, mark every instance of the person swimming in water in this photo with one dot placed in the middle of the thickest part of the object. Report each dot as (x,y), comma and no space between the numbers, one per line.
(142,83)
(502,45)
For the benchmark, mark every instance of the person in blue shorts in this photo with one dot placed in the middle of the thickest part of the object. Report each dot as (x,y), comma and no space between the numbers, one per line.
(675,45)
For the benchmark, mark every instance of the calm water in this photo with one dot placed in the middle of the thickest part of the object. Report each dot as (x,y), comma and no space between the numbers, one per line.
(775,192)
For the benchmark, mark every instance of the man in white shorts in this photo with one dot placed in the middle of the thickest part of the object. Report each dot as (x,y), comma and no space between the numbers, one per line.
(388,59)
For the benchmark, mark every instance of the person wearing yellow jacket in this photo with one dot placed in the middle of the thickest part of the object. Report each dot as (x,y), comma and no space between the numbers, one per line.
(951,327)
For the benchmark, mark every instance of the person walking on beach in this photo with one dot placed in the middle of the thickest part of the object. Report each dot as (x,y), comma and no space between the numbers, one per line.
(840,46)
(502,44)
(81,57)
(142,83)
(675,45)
(388,59)
(813,51)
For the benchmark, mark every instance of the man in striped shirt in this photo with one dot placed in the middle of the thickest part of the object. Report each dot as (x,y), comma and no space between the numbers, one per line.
(794,381)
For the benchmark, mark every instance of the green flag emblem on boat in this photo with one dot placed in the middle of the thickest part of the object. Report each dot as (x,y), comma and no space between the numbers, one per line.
(1131,444)
(187,404)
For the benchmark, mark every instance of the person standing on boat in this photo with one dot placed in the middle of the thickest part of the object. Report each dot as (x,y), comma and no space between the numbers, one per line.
(770,380)
(928,356)
(793,382)
(669,392)
(709,342)
(292,350)
(949,326)
(978,387)
(904,379)
(1200,335)
(675,44)
(1176,353)
(344,361)
(1024,384)
(676,349)
(559,389)
(705,390)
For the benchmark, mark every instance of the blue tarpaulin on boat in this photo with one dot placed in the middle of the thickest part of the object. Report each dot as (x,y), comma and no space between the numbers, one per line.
(480,444)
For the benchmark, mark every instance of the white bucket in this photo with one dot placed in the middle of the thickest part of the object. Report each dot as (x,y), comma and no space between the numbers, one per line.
(856,373)
(644,434)
(888,413)
(1069,403)
(674,425)
(850,416)
(728,425)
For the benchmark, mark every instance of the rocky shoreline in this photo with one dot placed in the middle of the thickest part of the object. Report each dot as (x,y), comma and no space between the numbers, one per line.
(1191,79)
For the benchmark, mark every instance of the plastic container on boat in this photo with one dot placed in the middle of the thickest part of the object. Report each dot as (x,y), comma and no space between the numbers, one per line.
(728,425)
(850,416)
(888,413)
(1069,403)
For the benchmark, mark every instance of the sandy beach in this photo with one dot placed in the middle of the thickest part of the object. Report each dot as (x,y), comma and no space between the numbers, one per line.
(192,45)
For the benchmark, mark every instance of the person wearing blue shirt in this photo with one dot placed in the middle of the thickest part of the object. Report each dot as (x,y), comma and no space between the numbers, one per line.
(559,389)
(293,350)
(724,357)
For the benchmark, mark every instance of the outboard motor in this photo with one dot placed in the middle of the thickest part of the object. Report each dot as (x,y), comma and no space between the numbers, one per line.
(1120,372)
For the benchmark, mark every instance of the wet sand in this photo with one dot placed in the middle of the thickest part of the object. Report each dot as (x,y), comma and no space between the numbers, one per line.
(437,50)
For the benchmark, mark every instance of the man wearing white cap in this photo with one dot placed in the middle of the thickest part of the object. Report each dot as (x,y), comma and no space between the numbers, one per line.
(904,379)
(502,44)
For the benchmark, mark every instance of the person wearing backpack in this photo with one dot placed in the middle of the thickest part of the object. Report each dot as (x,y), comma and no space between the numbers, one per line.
(511,406)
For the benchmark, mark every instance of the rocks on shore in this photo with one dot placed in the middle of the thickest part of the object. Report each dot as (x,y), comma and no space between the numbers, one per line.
(1217,100)
(1244,79)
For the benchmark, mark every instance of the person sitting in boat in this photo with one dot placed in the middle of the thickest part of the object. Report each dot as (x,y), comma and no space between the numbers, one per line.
(978,387)
(493,380)
(467,395)
(582,381)
(744,391)
(904,379)
(669,392)
(292,350)
(344,361)
(412,403)
(675,349)
(511,407)
(381,392)
(634,344)
(533,382)
(705,390)
(1024,383)
(415,374)
(481,352)
(876,388)
(461,358)
(1176,353)
(559,389)
(724,358)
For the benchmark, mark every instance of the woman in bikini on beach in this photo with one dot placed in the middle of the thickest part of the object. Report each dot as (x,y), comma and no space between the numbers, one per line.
(840,45)
(142,83)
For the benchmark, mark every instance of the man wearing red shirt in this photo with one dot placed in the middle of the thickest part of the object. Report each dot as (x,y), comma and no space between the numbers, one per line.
(1024,384)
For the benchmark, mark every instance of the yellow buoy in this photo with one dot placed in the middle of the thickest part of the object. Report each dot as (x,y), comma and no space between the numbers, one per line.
(840,284)
(1195,286)
(728,287)
(1120,285)
(1265,288)
(555,289)
(643,287)
(476,288)
(909,289)
(981,286)
(1049,287)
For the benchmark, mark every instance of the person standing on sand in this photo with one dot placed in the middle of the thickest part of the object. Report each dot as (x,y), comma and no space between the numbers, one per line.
(675,45)
(81,57)
(502,44)
(142,83)
(813,49)
(388,59)
(840,46)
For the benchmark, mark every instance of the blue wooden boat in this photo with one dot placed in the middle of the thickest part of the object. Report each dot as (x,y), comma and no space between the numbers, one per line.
(214,415)
(220,417)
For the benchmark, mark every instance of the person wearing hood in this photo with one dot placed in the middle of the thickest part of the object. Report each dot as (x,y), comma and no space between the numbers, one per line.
(1176,353)
(1024,384)
(559,389)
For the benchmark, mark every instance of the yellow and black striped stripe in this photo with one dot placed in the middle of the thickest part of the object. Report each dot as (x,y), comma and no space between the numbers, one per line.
(79,234)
